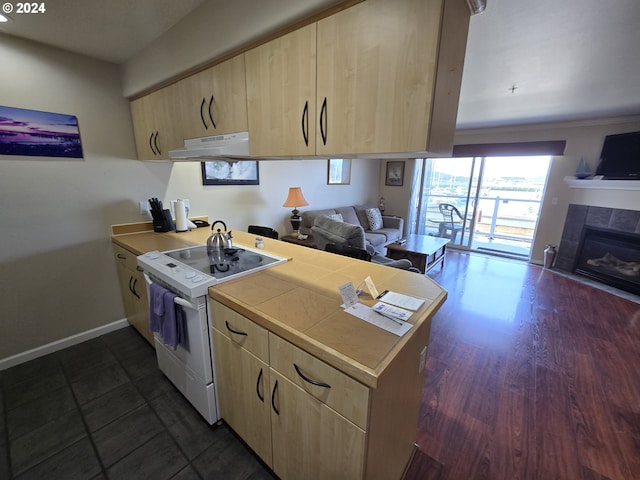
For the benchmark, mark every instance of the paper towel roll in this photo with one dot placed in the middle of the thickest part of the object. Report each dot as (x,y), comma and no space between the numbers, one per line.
(181,216)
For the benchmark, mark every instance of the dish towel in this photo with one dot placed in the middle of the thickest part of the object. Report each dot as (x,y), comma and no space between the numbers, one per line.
(165,317)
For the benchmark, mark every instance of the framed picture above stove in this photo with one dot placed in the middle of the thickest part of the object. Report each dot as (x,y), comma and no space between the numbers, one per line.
(39,134)
(222,172)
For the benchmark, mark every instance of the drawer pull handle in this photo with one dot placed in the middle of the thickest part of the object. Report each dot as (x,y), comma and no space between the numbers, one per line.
(273,398)
(132,286)
(156,150)
(211,103)
(133,289)
(260,396)
(323,121)
(305,125)
(202,105)
(122,257)
(226,322)
(151,144)
(309,380)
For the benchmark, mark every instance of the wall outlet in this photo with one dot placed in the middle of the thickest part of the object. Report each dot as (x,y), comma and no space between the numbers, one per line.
(143,207)
(423,360)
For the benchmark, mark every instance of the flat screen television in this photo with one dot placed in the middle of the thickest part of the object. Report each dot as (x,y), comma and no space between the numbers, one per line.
(620,157)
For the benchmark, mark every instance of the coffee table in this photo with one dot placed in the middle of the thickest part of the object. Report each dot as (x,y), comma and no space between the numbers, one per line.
(424,251)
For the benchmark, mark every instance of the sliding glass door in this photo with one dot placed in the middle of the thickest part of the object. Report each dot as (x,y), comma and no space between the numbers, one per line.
(495,201)
(447,181)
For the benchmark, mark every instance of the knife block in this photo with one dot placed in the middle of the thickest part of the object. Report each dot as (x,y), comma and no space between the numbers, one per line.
(162,221)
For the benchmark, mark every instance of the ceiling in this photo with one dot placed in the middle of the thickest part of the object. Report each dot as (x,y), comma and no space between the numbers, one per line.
(527,61)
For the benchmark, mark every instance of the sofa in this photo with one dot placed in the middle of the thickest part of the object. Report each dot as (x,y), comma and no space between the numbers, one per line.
(379,230)
(347,239)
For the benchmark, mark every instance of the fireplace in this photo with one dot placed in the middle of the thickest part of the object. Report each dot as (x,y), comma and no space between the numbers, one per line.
(602,235)
(611,257)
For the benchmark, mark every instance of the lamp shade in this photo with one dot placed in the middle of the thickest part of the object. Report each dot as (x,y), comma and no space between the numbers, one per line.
(295,198)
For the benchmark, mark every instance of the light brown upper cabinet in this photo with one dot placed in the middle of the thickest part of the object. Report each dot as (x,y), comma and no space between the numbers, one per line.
(385,75)
(281,95)
(154,126)
(214,101)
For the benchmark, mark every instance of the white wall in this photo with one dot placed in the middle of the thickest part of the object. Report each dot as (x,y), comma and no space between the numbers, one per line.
(239,206)
(57,275)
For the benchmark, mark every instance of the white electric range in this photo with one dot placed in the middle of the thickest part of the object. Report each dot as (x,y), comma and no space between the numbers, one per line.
(188,273)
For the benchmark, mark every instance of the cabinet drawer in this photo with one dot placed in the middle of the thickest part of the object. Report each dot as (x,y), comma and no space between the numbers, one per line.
(337,390)
(240,330)
(124,257)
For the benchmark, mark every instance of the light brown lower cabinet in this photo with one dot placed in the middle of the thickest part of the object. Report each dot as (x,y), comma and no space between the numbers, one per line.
(133,290)
(243,380)
(310,440)
(303,417)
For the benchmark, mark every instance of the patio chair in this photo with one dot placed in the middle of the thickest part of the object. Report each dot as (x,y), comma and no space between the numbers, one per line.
(452,222)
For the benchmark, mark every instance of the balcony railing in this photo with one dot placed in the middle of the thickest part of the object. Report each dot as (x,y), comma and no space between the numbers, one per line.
(504,224)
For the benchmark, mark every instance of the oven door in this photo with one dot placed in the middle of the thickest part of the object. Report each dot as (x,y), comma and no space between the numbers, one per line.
(189,367)
(195,354)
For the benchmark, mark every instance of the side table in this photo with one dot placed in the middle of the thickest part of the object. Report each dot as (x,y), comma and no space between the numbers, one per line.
(308,242)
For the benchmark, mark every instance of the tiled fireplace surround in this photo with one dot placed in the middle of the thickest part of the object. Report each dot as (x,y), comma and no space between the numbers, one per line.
(578,216)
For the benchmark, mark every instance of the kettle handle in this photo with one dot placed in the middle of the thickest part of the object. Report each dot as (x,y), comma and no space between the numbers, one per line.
(219,221)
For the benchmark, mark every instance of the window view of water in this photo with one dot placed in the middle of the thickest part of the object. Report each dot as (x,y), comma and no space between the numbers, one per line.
(497,201)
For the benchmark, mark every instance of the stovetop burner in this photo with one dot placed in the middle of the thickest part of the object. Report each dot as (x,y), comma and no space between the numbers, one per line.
(235,260)
(191,271)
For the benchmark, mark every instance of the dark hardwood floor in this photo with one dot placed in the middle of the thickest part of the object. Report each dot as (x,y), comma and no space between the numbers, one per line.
(530,375)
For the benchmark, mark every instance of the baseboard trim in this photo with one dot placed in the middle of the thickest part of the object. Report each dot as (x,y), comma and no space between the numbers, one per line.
(52,347)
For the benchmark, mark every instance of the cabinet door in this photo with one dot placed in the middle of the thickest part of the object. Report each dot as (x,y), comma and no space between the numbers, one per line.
(310,440)
(243,395)
(139,316)
(376,64)
(156,125)
(281,92)
(214,101)
(134,293)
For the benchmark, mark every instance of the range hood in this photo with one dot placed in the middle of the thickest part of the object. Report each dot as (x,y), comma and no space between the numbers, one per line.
(233,146)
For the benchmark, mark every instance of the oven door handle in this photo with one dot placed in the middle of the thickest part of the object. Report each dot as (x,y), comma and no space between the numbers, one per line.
(178,300)
(184,303)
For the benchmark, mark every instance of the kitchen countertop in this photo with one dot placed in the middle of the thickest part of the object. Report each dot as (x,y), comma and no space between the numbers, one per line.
(300,302)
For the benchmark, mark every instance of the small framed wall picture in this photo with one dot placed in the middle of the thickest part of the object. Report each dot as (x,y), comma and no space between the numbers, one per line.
(39,134)
(222,172)
(395,173)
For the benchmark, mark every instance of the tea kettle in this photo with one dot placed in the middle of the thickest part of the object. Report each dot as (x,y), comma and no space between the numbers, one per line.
(219,241)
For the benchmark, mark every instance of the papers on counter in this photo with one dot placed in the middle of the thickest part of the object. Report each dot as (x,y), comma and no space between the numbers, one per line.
(368,314)
(401,300)
(390,314)
(391,311)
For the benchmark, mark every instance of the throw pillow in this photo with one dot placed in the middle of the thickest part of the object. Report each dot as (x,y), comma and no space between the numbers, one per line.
(375,218)
(336,216)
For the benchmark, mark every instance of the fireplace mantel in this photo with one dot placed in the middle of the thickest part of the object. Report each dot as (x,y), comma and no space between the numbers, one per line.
(573,182)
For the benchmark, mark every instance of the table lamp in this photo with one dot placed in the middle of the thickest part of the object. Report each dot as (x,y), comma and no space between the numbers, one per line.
(295,200)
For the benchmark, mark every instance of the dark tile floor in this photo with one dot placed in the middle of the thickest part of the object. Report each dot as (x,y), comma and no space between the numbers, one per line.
(102,409)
